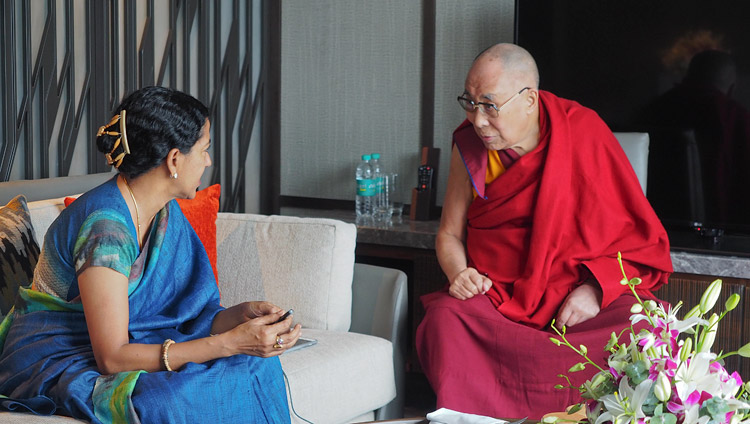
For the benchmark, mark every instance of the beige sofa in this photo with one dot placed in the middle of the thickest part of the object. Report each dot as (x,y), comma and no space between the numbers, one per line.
(355,311)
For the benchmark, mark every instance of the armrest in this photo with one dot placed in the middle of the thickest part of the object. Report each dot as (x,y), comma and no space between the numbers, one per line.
(379,303)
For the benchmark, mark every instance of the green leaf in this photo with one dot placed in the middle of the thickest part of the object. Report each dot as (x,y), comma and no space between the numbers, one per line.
(715,407)
(664,419)
(637,372)
(575,408)
(744,351)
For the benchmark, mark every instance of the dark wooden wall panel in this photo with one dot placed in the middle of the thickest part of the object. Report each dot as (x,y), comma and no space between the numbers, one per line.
(733,329)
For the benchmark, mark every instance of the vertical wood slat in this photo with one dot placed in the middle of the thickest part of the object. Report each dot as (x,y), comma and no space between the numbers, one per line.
(733,329)
(427,104)
(99,96)
(222,82)
(9,140)
(270,131)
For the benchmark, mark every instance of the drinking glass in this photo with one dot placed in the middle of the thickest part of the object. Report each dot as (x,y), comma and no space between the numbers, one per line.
(396,205)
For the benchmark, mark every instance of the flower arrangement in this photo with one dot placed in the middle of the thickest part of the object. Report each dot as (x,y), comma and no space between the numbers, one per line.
(667,373)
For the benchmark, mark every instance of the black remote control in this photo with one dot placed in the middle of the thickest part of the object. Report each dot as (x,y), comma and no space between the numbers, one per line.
(424,178)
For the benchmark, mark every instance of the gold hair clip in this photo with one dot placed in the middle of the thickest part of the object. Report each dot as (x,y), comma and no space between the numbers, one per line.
(123,136)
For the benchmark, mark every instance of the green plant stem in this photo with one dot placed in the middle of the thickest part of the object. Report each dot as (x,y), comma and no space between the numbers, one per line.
(632,289)
(576,350)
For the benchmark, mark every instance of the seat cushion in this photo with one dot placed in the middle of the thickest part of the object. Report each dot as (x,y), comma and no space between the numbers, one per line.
(24,418)
(43,213)
(340,378)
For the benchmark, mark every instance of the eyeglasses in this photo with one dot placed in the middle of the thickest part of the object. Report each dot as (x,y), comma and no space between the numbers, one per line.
(488,109)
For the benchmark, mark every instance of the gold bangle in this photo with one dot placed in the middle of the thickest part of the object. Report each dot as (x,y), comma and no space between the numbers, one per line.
(165,353)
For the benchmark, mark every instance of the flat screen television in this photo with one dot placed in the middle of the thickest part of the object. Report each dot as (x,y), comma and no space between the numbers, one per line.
(631,62)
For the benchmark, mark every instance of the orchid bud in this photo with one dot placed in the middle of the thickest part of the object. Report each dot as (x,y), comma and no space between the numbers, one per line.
(635,281)
(710,296)
(555,341)
(686,350)
(577,367)
(709,334)
(744,351)
(624,282)
(612,341)
(636,308)
(696,311)
(598,379)
(650,305)
(662,387)
(732,302)
(584,350)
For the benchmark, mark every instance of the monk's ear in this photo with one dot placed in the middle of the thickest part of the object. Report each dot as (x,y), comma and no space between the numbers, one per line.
(532,100)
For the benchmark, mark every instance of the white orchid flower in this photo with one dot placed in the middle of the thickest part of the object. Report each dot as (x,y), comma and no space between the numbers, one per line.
(626,404)
(694,375)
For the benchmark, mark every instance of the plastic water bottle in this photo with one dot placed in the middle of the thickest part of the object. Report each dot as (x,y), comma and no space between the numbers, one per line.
(366,189)
(377,175)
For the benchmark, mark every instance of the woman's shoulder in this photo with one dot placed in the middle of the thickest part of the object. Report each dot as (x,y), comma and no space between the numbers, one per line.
(100,204)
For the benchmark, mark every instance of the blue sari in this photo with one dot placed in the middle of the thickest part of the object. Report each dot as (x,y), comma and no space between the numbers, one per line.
(46,360)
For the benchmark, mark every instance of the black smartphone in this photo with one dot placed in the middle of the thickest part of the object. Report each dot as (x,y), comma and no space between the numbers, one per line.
(285,316)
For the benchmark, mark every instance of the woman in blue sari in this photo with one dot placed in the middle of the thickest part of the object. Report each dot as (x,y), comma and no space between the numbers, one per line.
(122,322)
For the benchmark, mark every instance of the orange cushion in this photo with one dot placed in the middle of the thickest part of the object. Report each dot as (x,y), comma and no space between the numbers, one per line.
(201,212)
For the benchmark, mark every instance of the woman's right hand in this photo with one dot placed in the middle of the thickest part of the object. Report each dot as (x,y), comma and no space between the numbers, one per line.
(468,283)
(258,336)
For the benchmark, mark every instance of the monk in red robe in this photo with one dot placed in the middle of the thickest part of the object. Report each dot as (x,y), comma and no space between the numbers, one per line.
(540,198)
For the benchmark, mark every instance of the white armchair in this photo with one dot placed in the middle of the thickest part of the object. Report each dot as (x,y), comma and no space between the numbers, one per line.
(635,145)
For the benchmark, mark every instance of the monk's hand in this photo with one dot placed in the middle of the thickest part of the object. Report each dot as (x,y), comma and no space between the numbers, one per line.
(468,283)
(583,303)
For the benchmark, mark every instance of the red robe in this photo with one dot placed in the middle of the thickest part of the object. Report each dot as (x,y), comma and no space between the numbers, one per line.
(558,215)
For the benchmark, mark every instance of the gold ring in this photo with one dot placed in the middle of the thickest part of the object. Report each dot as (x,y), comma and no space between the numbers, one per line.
(277,346)
(279,340)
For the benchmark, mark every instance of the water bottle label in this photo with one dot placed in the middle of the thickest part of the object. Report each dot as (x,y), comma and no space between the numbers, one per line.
(367,187)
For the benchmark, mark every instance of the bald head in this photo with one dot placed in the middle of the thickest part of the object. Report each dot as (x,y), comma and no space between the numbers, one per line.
(512,62)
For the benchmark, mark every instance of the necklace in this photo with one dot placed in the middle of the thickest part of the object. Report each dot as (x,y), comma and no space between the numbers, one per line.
(137,218)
